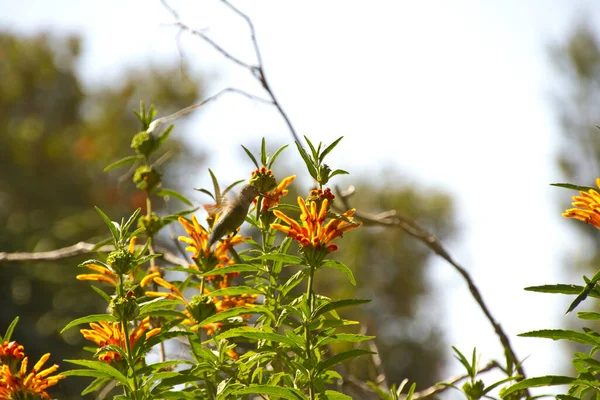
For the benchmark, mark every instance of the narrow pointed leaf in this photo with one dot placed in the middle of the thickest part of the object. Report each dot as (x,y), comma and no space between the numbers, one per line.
(309,164)
(164,192)
(342,267)
(256,334)
(272,160)
(111,225)
(263,152)
(164,135)
(89,318)
(315,154)
(274,391)
(329,148)
(123,161)
(235,291)
(251,157)
(339,358)
(228,188)
(563,289)
(338,304)
(102,367)
(548,380)
(573,187)
(9,330)
(564,334)
(216,187)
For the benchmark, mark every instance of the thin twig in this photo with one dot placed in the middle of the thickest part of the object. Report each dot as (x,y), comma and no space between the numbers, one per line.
(392,219)
(75,250)
(257,71)
(159,123)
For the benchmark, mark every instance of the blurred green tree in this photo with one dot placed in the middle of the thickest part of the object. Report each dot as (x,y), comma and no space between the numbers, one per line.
(55,139)
(577,105)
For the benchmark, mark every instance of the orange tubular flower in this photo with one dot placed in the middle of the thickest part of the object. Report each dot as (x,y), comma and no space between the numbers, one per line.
(103,275)
(588,207)
(105,333)
(272,198)
(17,383)
(312,232)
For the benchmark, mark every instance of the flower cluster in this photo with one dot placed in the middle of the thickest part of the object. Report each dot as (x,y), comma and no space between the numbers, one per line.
(312,232)
(587,207)
(16,382)
(105,333)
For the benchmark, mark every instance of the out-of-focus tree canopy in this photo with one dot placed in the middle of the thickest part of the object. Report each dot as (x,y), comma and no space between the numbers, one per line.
(55,139)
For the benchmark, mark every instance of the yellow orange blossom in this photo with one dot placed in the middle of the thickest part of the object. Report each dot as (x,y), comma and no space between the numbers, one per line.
(105,333)
(198,241)
(17,383)
(11,350)
(312,232)
(588,207)
(272,198)
(103,275)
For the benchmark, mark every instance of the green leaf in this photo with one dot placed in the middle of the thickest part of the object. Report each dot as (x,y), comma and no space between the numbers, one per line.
(312,170)
(235,291)
(263,152)
(337,304)
(275,391)
(591,285)
(251,157)
(206,192)
(573,187)
(87,372)
(216,187)
(588,315)
(293,281)
(89,318)
(256,334)
(172,193)
(563,289)
(272,160)
(234,184)
(123,161)
(333,395)
(563,334)
(315,153)
(342,267)
(131,219)
(164,136)
(232,312)
(548,380)
(101,367)
(286,207)
(111,225)
(95,385)
(101,292)
(102,243)
(9,330)
(343,338)
(231,269)
(328,149)
(157,304)
(284,258)
(338,172)
(340,357)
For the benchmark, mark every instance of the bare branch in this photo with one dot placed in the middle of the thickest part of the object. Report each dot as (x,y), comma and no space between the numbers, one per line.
(256,70)
(75,250)
(392,219)
(159,123)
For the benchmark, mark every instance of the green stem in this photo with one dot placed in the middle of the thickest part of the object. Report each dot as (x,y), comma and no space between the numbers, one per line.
(310,299)
(129,355)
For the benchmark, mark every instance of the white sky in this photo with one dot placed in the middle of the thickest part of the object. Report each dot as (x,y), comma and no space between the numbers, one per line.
(454,95)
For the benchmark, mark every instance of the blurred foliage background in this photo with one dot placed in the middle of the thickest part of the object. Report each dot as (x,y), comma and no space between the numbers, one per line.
(55,139)
(577,105)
